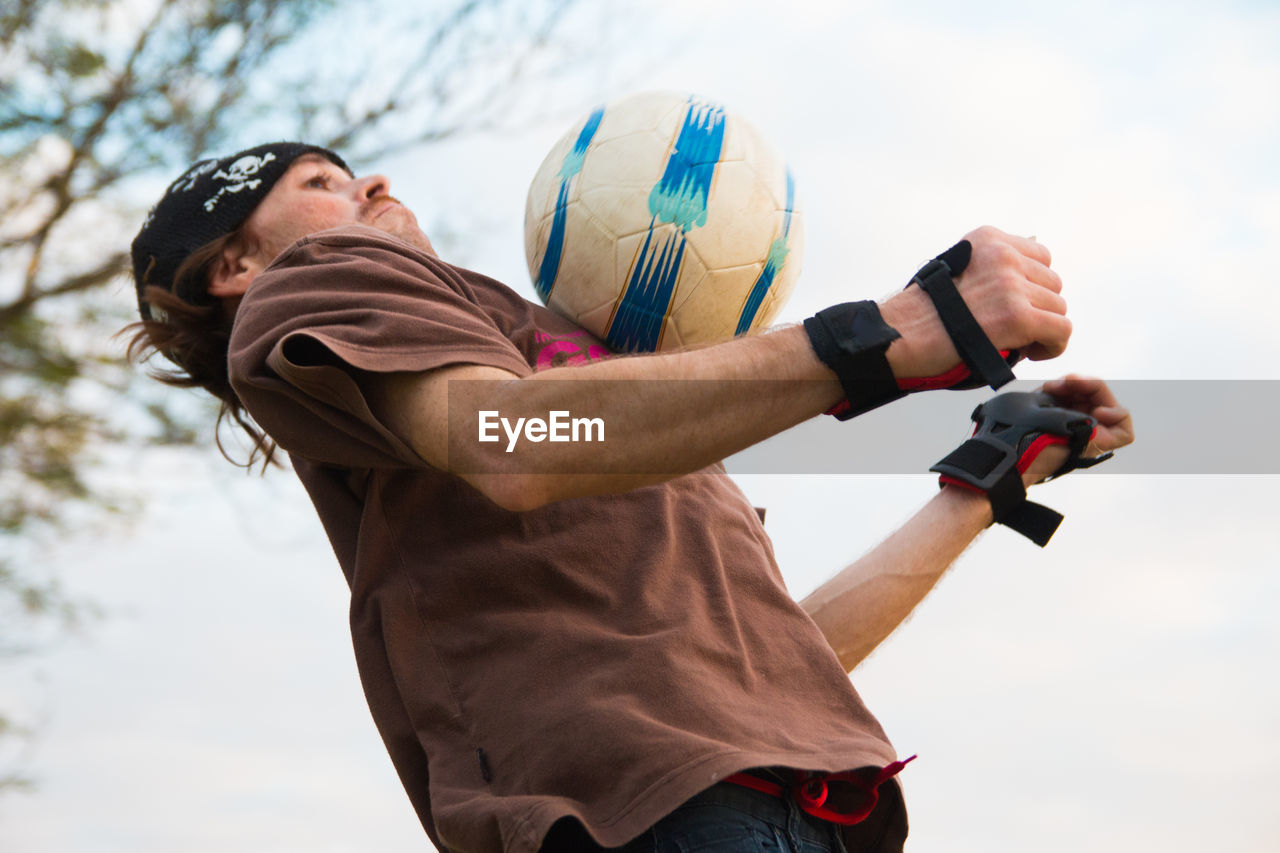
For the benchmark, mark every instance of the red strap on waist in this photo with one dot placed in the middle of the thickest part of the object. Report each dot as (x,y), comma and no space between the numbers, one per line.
(811,790)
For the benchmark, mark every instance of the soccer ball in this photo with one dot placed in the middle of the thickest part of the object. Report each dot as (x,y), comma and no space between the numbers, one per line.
(663,220)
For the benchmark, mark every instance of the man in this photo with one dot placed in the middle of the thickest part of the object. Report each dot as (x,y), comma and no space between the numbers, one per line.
(569,646)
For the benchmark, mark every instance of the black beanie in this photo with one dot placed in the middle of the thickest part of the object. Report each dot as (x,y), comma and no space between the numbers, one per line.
(212,199)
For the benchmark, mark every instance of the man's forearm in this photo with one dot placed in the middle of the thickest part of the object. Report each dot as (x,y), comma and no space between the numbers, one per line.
(864,603)
(670,414)
(663,415)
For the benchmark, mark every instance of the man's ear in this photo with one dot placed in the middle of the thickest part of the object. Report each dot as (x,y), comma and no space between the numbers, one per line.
(234,271)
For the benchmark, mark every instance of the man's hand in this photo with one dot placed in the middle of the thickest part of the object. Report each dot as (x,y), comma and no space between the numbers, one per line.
(1092,397)
(1009,289)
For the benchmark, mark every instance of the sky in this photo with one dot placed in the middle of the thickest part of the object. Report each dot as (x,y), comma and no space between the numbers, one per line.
(1109,692)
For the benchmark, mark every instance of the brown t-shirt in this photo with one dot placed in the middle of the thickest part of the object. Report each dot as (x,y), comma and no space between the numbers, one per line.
(603,658)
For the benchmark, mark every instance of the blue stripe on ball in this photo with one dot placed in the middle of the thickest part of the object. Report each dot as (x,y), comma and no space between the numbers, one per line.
(571,166)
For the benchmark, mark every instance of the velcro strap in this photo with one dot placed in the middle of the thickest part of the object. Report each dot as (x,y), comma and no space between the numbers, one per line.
(852,339)
(974,347)
(1035,521)
(979,462)
(991,466)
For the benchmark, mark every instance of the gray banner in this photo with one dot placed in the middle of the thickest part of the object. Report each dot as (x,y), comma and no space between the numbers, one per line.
(1182,427)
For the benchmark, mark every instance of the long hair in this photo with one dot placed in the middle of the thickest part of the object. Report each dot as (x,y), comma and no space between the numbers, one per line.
(195,338)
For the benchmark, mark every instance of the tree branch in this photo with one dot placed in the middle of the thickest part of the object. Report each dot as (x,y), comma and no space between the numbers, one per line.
(114,265)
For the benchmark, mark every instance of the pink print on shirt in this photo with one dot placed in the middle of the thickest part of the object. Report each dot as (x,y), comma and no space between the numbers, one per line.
(565,350)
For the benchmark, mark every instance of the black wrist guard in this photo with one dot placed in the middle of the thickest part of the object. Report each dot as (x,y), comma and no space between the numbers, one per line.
(851,339)
(1012,430)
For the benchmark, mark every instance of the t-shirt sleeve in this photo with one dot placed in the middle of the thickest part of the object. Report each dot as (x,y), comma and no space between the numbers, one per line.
(342,304)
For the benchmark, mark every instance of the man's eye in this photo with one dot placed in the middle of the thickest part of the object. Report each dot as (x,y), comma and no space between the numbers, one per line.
(321,181)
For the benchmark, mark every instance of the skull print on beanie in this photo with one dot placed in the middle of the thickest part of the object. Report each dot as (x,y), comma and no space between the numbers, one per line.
(211,199)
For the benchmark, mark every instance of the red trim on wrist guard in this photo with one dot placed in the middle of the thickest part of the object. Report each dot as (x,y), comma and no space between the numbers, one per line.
(953,377)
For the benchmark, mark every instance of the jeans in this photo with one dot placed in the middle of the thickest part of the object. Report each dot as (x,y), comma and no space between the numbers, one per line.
(725,818)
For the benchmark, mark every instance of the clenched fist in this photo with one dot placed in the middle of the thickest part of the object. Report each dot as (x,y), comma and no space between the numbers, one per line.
(1010,290)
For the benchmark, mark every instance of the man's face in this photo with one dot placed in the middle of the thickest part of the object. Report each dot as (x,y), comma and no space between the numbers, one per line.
(316,194)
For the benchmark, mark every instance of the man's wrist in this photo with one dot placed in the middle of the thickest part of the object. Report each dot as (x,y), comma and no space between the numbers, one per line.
(924,348)
(969,502)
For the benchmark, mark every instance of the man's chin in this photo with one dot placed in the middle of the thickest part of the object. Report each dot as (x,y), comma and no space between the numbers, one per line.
(410,234)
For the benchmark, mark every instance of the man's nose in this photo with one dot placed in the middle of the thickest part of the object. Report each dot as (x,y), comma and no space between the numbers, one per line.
(371,186)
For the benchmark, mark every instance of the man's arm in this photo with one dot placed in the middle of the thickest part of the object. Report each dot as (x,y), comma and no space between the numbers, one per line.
(681,411)
(864,603)
(665,414)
